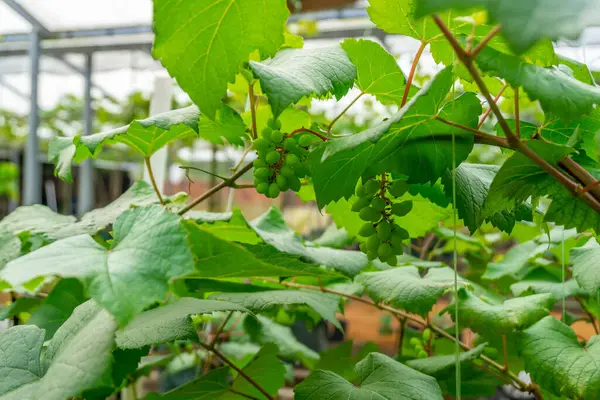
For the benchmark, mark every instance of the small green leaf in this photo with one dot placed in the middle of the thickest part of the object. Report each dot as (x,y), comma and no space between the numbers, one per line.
(516,262)
(377,71)
(541,281)
(526,23)
(146,136)
(440,365)
(210,386)
(203,44)
(236,229)
(169,322)
(326,305)
(378,379)
(558,362)
(295,73)
(404,288)
(227,128)
(149,249)
(494,318)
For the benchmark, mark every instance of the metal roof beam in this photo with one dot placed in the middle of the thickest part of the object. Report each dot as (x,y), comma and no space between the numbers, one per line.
(35,23)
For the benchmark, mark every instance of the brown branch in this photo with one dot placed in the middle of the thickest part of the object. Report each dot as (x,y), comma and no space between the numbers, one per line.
(411,74)
(513,141)
(301,130)
(489,110)
(252,109)
(153,181)
(226,183)
(237,369)
(485,40)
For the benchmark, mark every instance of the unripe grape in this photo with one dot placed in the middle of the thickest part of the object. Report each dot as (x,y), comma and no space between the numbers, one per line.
(363,247)
(360,190)
(258,163)
(414,341)
(422,354)
(274,190)
(300,151)
(397,245)
(392,260)
(378,204)
(295,184)
(275,124)
(403,208)
(281,182)
(371,255)
(373,244)
(266,133)
(262,188)
(360,204)
(367,230)
(273,157)
(398,188)
(369,214)
(261,144)
(384,251)
(371,187)
(289,144)
(276,136)
(400,232)
(292,160)
(287,172)
(305,140)
(261,173)
(384,231)
(427,334)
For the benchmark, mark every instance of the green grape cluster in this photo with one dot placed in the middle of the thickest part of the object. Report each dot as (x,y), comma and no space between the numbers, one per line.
(420,345)
(376,206)
(281,160)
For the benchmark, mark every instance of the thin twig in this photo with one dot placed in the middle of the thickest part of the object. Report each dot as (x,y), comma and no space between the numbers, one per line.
(153,181)
(402,334)
(411,74)
(220,329)
(505,352)
(203,170)
(252,109)
(342,113)
(237,369)
(426,243)
(226,183)
(306,130)
(489,110)
(517,118)
(485,40)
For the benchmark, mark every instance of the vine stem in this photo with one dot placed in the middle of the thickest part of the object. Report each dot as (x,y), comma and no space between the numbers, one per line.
(152,180)
(509,376)
(230,182)
(344,111)
(252,109)
(315,133)
(237,369)
(485,41)
(489,110)
(513,141)
(411,74)
(505,352)
(517,118)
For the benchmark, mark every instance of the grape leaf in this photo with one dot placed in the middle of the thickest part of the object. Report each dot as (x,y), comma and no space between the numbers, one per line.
(81,350)
(228,127)
(341,361)
(236,229)
(169,322)
(58,306)
(272,228)
(516,261)
(295,73)
(526,23)
(541,281)
(20,305)
(581,72)
(378,379)
(218,258)
(325,305)
(494,318)
(377,71)
(206,387)
(557,91)
(585,266)
(558,362)
(404,288)
(35,219)
(145,136)
(263,330)
(10,247)
(149,249)
(399,144)
(203,44)
(438,366)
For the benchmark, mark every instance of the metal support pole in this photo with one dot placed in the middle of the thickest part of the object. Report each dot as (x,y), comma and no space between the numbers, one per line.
(32,183)
(85,187)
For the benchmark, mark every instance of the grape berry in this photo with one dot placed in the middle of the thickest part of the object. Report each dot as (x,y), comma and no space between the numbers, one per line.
(280,163)
(375,205)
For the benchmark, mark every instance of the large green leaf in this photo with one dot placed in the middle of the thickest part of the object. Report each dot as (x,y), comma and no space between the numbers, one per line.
(377,71)
(472,185)
(58,306)
(524,23)
(170,322)
(326,305)
(227,128)
(10,247)
(76,359)
(219,258)
(380,377)
(36,219)
(410,143)
(149,249)
(146,136)
(203,43)
(404,287)
(494,318)
(541,281)
(295,73)
(272,228)
(558,91)
(586,269)
(559,363)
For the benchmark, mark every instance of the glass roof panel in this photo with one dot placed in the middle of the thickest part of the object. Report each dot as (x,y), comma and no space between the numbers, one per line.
(11,22)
